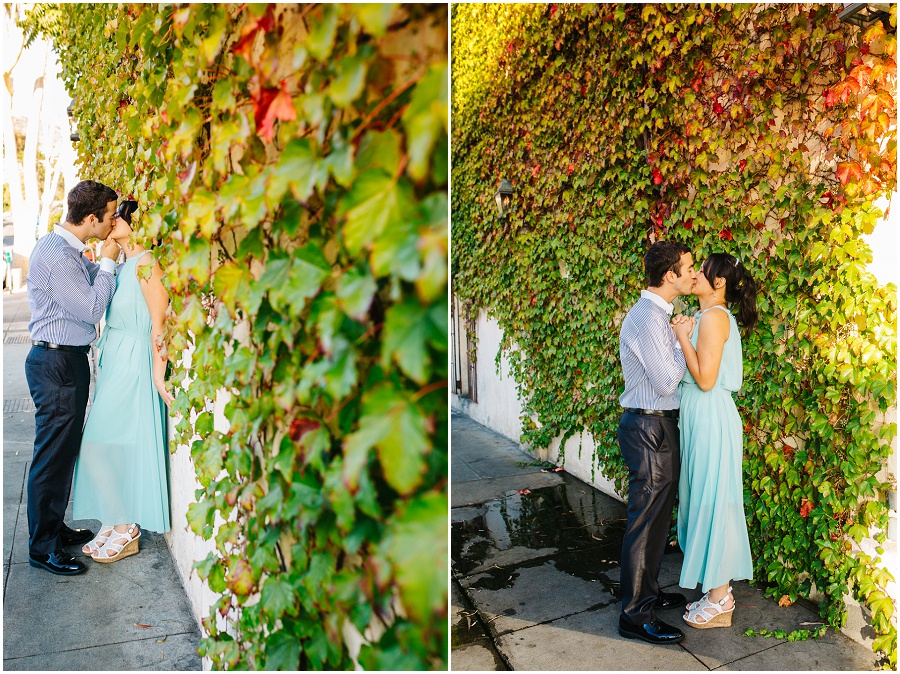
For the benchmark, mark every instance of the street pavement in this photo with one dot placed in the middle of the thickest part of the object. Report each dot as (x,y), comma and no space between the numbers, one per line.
(535,564)
(129,615)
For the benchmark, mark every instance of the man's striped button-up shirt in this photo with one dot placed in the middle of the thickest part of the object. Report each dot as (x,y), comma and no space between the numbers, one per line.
(652,360)
(68,294)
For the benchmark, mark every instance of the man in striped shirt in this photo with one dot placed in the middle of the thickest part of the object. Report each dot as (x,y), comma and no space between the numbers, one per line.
(653,364)
(68,295)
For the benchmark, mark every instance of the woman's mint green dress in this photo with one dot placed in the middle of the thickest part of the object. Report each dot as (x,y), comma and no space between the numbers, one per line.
(712,529)
(121,475)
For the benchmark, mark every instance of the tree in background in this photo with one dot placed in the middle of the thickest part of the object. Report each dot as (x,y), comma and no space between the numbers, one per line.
(34,161)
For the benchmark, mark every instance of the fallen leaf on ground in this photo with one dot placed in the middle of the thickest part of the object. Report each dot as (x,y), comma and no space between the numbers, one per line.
(785,601)
(523,491)
(557,470)
(142,626)
(159,641)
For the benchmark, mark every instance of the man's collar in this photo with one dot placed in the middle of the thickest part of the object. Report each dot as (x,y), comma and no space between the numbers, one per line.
(70,238)
(658,301)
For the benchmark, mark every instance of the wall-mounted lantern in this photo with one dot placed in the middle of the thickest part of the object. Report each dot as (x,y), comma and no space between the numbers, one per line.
(864,13)
(503,197)
(73,129)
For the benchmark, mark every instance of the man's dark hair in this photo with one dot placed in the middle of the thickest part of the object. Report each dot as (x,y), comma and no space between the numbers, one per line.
(662,257)
(88,197)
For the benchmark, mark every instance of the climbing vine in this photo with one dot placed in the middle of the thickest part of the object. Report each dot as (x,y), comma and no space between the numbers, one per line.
(291,165)
(766,131)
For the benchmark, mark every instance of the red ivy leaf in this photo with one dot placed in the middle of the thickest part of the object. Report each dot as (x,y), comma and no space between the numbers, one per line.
(657,176)
(847,171)
(742,164)
(300,427)
(553,9)
(806,507)
(718,109)
(262,101)
(281,107)
(726,235)
(535,170)
(688,224)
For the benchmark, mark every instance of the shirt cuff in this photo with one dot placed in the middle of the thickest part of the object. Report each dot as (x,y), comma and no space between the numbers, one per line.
(107,265)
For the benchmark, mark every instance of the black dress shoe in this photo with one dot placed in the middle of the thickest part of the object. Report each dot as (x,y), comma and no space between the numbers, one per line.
(656,632)
(59,562)
(70,536)
(670,600)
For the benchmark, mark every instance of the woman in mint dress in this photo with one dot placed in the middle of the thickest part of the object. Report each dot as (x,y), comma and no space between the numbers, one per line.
(712,528)
(121,476)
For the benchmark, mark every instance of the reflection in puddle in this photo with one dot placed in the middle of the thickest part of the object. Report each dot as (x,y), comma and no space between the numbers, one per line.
(578,526)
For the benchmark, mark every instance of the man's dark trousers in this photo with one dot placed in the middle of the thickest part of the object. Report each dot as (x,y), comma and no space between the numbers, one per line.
(59,382)
(649,445)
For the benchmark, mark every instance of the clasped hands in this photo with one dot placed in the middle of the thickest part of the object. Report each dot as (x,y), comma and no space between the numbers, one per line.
(683,325)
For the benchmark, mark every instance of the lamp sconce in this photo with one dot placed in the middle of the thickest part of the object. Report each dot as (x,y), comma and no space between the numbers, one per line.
(503,197)
(862,14)
(73,129)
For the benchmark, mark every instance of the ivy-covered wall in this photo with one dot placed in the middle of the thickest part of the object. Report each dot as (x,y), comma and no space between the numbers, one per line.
(766,131)
(291,163)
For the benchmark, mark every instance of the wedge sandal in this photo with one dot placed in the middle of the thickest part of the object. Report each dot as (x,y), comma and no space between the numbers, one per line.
(712,613)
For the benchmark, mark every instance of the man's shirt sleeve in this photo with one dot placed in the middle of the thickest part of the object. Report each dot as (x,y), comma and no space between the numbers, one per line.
(75,294)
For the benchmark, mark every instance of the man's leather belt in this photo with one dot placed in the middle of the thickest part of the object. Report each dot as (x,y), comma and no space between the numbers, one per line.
(62,347)
(672,414)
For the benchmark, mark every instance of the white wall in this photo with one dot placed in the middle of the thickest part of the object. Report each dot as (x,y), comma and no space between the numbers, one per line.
(498,408)
(187,547)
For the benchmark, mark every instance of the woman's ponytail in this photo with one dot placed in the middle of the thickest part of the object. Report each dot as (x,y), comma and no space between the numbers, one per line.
(740,288)
(745,292)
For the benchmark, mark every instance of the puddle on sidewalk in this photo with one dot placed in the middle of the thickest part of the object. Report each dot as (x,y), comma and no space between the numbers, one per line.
(576,526)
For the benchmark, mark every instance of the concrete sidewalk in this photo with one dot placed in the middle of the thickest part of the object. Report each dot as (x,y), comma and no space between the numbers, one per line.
(535,561)
(90,621)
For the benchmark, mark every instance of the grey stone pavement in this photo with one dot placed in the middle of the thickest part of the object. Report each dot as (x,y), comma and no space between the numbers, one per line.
(90,621)
(535,565)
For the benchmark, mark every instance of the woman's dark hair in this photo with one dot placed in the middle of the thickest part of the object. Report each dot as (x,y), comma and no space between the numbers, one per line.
(740,288)
(88,197)
(662,257)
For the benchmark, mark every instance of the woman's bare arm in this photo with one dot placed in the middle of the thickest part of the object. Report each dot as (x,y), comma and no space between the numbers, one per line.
(157,299)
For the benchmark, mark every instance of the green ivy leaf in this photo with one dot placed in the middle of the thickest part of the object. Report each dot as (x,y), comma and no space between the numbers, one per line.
(277,597)
(282,652)
(375,203)
(348,85)
(415,545)
(426,118)
(397,429)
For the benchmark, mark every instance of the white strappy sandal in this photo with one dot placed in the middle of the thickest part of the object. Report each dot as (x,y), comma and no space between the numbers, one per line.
(119,545)
(98,542)
(713,613)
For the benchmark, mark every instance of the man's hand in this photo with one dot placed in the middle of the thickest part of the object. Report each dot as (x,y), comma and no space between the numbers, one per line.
(109,249)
